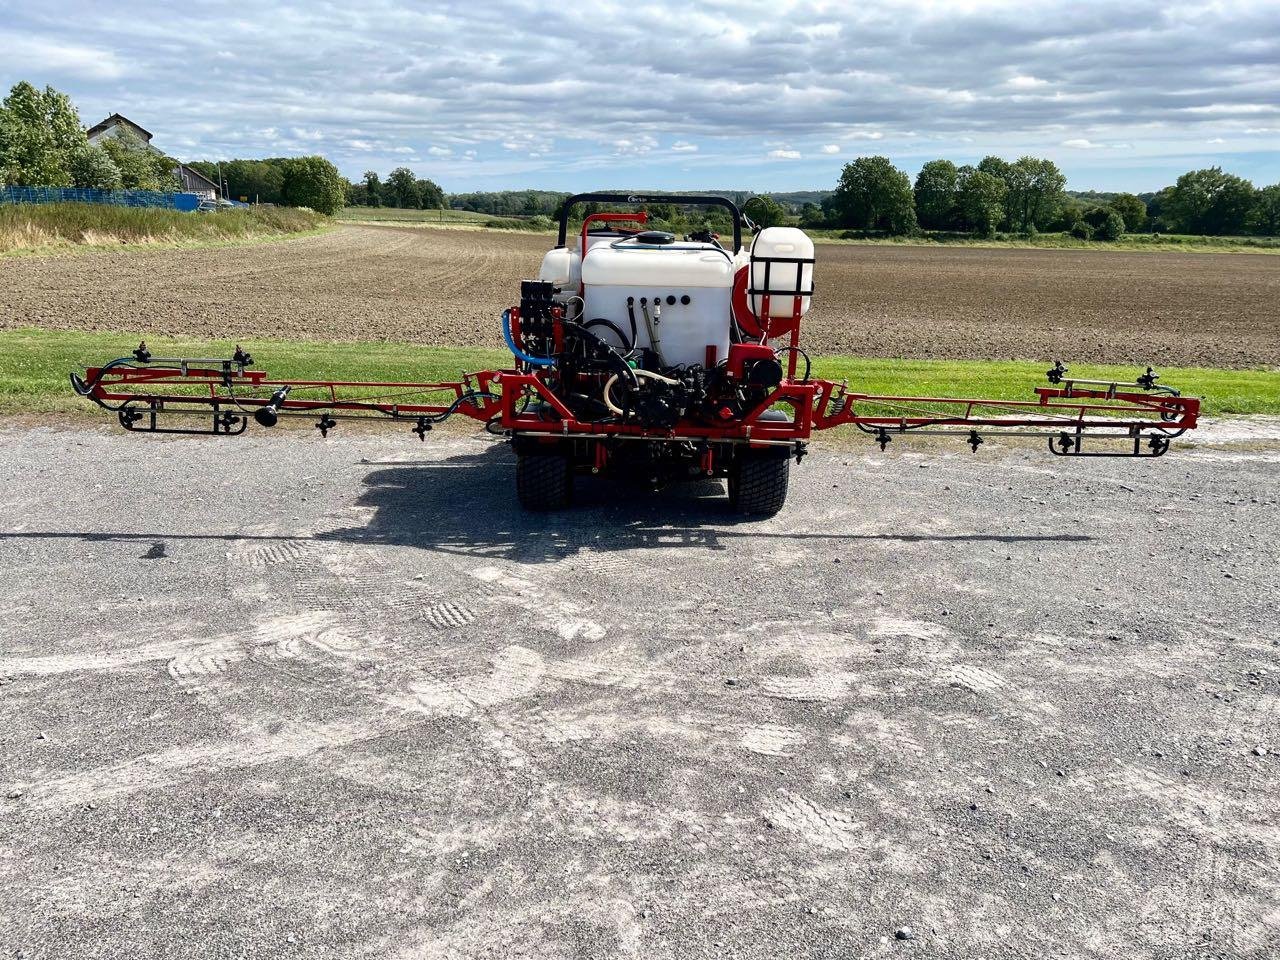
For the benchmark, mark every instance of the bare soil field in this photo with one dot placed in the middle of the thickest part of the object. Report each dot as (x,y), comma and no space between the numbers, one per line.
(448,287)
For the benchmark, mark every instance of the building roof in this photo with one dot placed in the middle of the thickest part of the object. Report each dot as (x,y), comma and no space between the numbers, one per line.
(114,119)
(197,175)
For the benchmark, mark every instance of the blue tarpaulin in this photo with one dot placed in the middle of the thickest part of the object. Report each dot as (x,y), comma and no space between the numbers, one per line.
(120,198)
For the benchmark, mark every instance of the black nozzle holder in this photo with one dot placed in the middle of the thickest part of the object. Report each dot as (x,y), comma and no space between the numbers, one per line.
(269,415)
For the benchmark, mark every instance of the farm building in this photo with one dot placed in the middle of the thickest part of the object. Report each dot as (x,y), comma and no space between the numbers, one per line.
(118,125)
(193,181)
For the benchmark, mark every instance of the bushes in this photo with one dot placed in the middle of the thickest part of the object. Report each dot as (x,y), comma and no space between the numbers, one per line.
(538,224)
(32,226)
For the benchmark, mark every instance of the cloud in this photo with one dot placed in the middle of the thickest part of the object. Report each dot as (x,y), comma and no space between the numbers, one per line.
(831,148)
(781,154)
(360,84)
(26,53)
(634,146)
(1216,140)
(434,151)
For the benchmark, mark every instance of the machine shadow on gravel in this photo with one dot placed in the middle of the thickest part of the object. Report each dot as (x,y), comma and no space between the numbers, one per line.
(463,505)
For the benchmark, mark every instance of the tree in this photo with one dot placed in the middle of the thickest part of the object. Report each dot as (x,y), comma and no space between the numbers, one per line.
(1158,211)
(1264,218)
(403,187)
(1106,223)
(141,167)
(981,199)
(811,215)
(92,167)
(766,211)
(373,188)
(1034,194)
(935,194)
(874,195)
(1210,202)
(39,130)
(1131,209)
(312,182)
(430,196)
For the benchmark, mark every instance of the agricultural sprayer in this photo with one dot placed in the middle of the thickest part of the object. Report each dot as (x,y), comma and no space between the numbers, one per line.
(654,357)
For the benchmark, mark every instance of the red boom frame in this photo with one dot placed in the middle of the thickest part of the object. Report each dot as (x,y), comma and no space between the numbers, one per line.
(139,392)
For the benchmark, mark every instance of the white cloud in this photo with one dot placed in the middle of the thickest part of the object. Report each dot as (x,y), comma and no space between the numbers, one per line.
(784,154)
(439,151)
(359,145)
(25,52)
(825,74)
(634,146)
(1216,140)
(831,148)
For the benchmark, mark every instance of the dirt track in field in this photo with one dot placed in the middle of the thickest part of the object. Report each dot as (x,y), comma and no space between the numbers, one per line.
(448,287)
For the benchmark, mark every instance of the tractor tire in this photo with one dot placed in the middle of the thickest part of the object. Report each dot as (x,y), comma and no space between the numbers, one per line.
(543,481)
(758,484)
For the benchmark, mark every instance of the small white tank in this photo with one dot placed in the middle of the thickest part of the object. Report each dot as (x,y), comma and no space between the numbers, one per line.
(561,266)
(787,243)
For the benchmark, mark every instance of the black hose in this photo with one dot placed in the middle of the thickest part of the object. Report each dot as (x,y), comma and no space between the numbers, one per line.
(807,364)
(631,314)
(616,359)
(622,337)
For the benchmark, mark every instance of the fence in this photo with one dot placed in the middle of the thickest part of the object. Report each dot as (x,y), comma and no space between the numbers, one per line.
(119,198)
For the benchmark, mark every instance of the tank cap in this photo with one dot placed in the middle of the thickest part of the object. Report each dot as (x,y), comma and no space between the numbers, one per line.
(655,238)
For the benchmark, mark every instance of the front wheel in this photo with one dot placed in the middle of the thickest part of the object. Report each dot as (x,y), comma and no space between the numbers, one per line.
(758,483)
(543,481)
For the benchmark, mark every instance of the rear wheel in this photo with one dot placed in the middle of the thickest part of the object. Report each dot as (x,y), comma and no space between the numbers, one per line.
(543,481)
(758,483)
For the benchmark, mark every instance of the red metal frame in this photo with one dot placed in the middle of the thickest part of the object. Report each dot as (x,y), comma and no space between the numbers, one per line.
(816,405)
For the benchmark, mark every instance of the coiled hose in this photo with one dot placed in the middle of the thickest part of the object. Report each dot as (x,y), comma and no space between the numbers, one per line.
(516,351)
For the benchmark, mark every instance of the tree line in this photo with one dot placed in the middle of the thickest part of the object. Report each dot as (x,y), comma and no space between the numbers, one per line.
(44,144)
(285,181)
(1029,196)
(402,188)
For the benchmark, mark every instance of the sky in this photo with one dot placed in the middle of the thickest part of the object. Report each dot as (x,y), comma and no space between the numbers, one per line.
(666,94)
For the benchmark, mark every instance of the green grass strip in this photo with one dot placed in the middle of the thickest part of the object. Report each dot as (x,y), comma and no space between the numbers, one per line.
(34,365)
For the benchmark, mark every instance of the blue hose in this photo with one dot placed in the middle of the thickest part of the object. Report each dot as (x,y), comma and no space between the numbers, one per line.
(511,345)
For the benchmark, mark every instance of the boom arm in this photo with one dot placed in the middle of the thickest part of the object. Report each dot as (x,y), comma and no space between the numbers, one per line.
(1139,418)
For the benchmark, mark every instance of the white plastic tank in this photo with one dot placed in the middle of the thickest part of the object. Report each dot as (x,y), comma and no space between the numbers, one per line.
(562,267)
(691,283)
(779,279)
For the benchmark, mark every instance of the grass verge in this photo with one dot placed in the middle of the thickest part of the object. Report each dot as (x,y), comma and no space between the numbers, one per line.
(27,228)
(34,365)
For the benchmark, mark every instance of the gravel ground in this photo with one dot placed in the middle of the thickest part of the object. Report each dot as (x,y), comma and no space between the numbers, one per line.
(449,286)
(286,697)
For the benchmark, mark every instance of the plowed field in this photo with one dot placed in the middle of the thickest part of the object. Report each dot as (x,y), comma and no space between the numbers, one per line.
(448,287)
